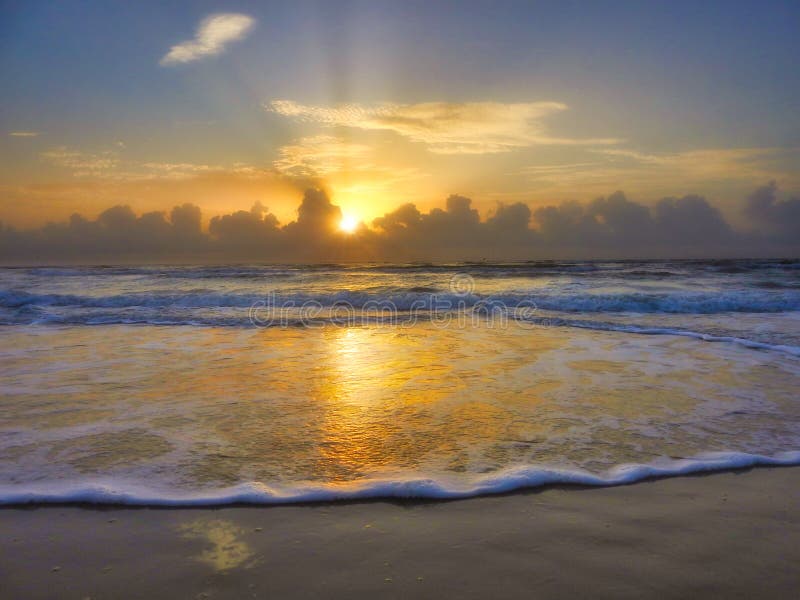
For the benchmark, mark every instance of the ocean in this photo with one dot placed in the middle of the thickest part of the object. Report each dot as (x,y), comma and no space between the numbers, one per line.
(203,385)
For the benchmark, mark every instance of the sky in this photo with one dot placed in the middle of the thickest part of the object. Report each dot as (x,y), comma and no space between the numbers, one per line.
(235,105)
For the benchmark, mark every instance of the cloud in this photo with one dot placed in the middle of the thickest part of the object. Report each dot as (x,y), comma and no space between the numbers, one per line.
(615,165)
(612,226)
(24,134)
(767,213)
(81,163)
(92,181)
(320,155)
(358,172)
(703,163)
(713,170)
(619,227)
(245,231)
(444,127)
(108,165)
(213,34)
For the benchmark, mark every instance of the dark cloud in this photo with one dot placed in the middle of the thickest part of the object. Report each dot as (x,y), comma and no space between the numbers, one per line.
(186,221)
(676,227)
(609,227)
(316,214)
(117,234)
(450,233)
(455,232)
(771,215)
(691,220)
(245,232)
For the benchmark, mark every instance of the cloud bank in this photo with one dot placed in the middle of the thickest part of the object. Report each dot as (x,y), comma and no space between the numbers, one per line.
(607,227)
(444,127)
(213,34)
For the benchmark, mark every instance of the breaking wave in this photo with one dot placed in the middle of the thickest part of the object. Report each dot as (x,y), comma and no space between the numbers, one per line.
(686,302)
(110,492)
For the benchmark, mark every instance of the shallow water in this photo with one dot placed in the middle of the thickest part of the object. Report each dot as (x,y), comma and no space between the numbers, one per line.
(699,370)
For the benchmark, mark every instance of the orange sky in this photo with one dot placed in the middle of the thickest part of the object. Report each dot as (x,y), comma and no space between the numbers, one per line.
(383,105)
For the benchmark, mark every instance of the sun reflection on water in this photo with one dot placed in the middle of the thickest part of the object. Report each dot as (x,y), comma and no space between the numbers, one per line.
(338,405)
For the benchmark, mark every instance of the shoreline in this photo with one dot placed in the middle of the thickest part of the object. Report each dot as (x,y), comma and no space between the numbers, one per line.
(515,481)
(732,533)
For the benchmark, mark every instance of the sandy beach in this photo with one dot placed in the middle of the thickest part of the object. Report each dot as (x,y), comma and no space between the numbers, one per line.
(731,535)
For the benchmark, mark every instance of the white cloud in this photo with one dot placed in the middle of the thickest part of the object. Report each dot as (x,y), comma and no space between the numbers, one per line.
(24,133)
(213,34)
(445,127)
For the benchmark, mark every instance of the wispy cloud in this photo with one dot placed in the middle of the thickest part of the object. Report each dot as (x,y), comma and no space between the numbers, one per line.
(213,34)
(24,134)
(107,165)
(82,164)
(445,127)
(617,167)
(319,155)
(354,170)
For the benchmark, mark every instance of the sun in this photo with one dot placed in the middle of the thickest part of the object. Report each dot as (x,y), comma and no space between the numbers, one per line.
(348,224)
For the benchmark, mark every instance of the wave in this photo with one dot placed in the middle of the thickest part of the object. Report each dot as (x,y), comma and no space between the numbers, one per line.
(683,302)
(778,285)
(243,320)
(106,492)
(646,330)
(533,268)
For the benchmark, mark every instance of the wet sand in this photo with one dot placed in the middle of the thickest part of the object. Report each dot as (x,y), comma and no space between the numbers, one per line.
(728,535)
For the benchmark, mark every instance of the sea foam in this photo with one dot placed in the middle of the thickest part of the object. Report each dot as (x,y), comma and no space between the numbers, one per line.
(121,492)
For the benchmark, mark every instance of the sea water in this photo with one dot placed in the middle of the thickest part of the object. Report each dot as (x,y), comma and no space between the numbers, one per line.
(248,383)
